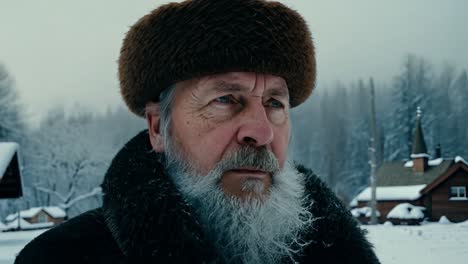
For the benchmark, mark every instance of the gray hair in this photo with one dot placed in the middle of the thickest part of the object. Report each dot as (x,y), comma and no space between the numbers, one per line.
(164,109)
(165,104)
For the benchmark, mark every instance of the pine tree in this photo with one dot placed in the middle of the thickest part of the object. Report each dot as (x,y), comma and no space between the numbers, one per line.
(410,90)
(11,122)
(459,106)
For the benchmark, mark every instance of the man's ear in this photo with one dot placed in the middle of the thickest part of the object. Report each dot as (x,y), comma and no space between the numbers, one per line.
(153,119)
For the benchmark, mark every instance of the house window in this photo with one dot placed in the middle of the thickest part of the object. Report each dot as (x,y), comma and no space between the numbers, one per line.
(458,193)
(42,218)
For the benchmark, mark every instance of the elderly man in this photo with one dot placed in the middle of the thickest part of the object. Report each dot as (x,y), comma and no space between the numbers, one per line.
(210,181)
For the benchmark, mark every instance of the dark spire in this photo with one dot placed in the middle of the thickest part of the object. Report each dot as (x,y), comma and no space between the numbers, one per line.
(419,145)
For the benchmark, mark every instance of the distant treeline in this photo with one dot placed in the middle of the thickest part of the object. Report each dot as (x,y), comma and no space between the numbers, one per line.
(64,159)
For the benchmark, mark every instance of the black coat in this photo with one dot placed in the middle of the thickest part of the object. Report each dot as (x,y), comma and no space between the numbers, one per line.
(144,219)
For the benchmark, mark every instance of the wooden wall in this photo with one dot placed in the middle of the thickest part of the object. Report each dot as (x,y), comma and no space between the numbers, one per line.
(455,211)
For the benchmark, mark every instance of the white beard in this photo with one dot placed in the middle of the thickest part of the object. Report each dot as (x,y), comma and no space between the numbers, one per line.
(263,229)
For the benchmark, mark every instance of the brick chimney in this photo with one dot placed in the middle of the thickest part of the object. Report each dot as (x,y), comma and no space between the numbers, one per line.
(419,152)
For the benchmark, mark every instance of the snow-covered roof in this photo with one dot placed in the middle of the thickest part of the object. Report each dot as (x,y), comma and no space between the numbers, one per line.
(385,193)
(420,155)
(53,211)
(458,159)
(26,225)
(406,211)
(11,217)
(7,151)
(353,203)
(363,211)
(24,214)
(394,173)
(434,162)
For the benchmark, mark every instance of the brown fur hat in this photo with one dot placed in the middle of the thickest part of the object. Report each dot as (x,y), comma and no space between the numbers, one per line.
(180,41)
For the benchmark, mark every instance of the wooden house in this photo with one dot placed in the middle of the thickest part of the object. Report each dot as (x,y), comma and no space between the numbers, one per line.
(439,185)
(35,218)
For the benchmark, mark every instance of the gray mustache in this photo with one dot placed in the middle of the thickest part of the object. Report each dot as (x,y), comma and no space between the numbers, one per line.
(248,156)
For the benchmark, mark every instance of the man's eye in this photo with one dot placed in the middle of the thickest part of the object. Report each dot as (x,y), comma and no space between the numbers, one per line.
(226,99)
(275,104)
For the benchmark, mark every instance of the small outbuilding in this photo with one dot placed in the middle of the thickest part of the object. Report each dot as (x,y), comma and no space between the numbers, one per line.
(36,218)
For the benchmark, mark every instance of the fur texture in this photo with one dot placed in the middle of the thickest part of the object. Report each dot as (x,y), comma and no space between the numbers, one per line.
(145,220)
(180,41)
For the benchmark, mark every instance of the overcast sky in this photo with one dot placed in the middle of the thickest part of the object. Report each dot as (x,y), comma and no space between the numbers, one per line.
(65,52)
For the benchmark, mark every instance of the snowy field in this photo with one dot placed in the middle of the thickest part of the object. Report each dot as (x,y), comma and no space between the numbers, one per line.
(428,244)
(12,242)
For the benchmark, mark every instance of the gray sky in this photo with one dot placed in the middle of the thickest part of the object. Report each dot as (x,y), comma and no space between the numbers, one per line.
(65,52)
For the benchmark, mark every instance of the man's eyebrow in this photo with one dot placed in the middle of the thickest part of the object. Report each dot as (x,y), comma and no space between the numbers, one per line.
(279,91)
(221,86)
(229,87)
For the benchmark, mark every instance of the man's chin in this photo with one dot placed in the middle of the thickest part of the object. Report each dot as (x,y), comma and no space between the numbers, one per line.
(249,189)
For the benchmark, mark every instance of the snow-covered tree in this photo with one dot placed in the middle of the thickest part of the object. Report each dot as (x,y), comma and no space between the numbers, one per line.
(11,122)
(69,154)
(458,131)
(64,160)
(410,90)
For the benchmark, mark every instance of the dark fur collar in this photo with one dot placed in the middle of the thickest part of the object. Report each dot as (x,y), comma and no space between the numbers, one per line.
(143,210)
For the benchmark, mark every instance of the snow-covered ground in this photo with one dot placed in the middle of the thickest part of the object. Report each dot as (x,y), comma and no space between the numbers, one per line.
(11,243)
(431,243)
(428,244)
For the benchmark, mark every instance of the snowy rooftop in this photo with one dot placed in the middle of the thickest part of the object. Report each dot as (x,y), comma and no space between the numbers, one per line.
(394,173)
(420,155)
(392,193)
(434,162)
(53,211)
(406,211)
(7,151)
(26,225)
(460,159)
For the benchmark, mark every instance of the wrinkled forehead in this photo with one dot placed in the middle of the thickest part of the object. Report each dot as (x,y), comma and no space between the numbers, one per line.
(241,82)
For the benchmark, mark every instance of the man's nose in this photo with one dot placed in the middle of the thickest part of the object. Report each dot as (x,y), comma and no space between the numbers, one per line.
(256,129)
